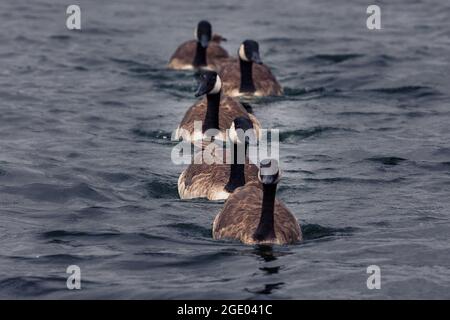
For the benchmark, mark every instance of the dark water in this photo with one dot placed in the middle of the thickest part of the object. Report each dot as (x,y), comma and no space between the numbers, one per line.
(86,176)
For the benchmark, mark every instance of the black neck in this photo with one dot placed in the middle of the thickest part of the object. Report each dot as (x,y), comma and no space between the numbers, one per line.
(212,112)
(266,228)
(247,84)
(237,171)
(200,56)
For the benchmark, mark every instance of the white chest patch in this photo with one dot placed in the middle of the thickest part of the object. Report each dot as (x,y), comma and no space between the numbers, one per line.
(220,195)
(237,93)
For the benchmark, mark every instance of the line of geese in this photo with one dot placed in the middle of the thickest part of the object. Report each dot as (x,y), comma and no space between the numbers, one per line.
(251,214)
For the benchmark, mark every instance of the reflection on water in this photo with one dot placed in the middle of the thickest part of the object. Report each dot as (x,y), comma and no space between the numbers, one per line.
(265,252)
(268,288)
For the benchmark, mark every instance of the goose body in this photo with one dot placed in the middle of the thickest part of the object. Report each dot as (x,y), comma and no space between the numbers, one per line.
(216,181)
(215,111)
(203,52)
(229,109)
(264,81)
(210,180)
(246,75)
(183,57)
(252,215)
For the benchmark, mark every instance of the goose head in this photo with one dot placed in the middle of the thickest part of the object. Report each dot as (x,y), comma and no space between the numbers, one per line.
(217,38)
(269,172)
(249,51)
(203,33)
(209,82)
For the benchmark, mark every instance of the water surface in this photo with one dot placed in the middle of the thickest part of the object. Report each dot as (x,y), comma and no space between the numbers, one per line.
(86,176)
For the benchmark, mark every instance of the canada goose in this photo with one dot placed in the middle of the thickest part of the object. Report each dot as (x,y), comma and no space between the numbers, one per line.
(247,75)
(215,112)
(217,181)
(254,216)
(202,52)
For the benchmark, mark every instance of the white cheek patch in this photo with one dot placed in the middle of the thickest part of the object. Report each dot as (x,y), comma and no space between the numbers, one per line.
(233,134)
(269,171)
(217,86)
(242,53)
(195,33)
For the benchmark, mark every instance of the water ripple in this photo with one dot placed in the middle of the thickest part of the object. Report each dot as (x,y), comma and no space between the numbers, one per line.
(299,134)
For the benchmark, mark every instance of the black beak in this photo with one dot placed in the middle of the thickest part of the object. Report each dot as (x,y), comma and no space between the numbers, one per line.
(269,179)
(204,40)
(256,58)
(202,89)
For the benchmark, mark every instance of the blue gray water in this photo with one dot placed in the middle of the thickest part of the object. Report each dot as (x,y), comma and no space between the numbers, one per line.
(85,171)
